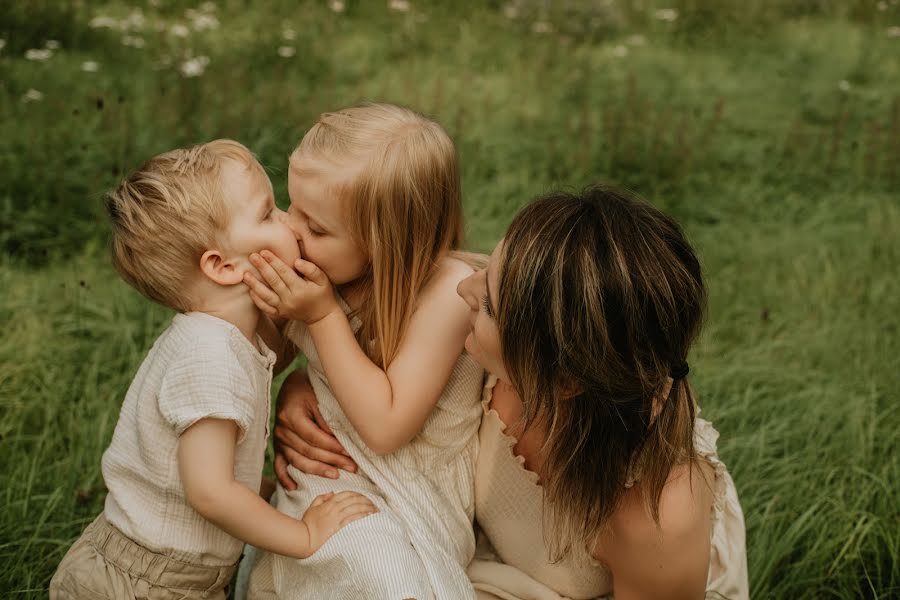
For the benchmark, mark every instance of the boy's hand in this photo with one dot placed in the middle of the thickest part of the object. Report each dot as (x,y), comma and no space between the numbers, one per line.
(329,512)
(285,294)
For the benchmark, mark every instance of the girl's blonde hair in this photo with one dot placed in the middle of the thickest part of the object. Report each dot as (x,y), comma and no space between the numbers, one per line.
(400,174)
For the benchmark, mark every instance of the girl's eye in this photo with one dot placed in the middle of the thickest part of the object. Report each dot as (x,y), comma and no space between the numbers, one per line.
(486,305)
(268,215)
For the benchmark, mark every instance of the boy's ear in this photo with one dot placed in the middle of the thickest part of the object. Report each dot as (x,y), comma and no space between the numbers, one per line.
(219,270)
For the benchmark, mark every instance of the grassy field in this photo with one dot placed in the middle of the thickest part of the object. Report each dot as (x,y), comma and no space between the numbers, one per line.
(769,128)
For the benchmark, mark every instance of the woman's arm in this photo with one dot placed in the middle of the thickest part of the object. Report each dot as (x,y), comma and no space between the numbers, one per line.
(206,467)
(666,561)
(270,330)
(302,437)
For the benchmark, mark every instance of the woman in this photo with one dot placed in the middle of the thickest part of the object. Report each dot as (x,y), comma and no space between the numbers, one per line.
(595,475)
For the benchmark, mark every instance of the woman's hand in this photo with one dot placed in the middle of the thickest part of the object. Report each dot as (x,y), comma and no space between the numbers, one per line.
(285,294)
(302,437)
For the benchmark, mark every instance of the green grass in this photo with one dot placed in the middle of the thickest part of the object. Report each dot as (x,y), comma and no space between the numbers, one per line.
(770,129)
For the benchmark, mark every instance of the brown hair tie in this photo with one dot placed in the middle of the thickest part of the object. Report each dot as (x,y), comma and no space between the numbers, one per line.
(680,371)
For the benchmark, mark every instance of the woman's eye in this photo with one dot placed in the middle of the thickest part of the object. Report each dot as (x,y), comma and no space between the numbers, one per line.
(486,305)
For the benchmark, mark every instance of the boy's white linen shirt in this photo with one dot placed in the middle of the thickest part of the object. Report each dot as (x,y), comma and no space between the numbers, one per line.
(200,367)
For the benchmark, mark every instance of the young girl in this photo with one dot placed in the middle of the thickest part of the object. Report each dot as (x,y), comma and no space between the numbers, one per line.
(375,205)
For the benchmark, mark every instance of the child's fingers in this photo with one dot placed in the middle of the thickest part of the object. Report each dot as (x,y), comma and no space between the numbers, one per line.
(287,274)
(263,305)
(270,275)
(347,498)
(322,499)
(310,271)
(261,289)
(355,513)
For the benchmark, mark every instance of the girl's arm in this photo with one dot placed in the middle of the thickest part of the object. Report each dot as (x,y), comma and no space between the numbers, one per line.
(665,561)
(206,467)
(387,408)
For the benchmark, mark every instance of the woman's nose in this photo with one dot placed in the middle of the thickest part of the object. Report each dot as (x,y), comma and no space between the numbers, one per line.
(464,289)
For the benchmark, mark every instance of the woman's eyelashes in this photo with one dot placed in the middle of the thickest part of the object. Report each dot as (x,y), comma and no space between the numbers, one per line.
(486,305)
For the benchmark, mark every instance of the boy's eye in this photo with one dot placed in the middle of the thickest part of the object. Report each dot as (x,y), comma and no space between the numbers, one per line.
(486,305)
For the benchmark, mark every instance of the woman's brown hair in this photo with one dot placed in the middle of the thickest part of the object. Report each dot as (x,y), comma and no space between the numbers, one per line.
(600,298)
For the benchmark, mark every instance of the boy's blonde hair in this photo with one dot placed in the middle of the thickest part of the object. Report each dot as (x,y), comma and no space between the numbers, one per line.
(167,214)
(400,173)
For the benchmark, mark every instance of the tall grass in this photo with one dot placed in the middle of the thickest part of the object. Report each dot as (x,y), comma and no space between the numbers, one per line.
(770,129)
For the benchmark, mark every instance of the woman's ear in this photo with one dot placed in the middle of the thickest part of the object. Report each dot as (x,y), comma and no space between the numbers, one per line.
(568,390)
(219,270)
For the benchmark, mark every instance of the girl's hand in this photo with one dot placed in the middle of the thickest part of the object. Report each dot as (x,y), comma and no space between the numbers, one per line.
(285,294)
(302,437)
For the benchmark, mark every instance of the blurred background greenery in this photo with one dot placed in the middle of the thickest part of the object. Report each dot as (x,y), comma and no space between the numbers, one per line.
(769,128)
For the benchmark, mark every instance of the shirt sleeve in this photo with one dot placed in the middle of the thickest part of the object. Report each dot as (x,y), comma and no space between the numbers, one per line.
(206,383)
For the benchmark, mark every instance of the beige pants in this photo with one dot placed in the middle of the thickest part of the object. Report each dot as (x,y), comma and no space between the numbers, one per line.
(104,564)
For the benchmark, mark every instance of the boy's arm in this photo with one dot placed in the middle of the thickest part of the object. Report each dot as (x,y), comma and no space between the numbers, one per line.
(206,467)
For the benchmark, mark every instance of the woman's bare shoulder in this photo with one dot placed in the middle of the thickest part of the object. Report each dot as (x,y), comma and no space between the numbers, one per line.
(675,551)
(684,507)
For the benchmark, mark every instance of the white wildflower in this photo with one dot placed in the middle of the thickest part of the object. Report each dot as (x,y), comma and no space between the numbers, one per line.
(542,27)
(511,11)
(399,5)
(36,54)
(286,51)
(893,32)
(844,85)
(89,66)
(336,6)
(134,20)
(133,41)
(666,14)
(51,45)
(619,51)
(179,30)
(288,34)
(32,95)
(201,20)
(635,40)
(194,67)
(103,22)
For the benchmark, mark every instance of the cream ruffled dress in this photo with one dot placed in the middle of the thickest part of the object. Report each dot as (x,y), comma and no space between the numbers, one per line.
(512,561)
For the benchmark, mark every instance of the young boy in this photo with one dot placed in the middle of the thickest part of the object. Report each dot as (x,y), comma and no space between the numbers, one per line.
(186,458)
